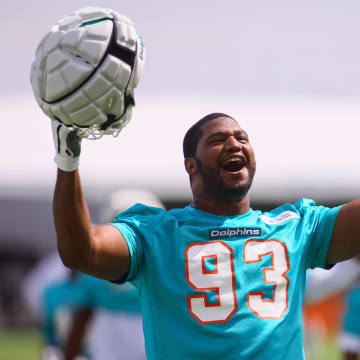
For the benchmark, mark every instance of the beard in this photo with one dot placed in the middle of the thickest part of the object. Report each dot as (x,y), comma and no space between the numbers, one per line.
(216,186)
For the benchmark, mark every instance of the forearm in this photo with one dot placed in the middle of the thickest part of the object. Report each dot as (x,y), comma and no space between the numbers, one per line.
(72,220)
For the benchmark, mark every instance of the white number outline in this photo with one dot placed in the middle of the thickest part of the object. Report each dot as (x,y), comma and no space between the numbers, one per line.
(249,294)
(204,296)
(265,272)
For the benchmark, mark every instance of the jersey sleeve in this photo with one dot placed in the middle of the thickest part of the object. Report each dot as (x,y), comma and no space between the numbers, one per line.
(135,225)
(319,223)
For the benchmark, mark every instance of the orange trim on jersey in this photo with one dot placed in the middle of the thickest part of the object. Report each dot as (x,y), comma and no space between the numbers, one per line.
(215,271)
(203,296)
(261,294)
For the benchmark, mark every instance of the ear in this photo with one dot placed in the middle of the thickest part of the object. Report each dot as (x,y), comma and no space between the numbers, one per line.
(190,166)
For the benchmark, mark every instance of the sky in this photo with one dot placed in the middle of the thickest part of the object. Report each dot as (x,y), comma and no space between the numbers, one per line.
(256,47)
(289,71)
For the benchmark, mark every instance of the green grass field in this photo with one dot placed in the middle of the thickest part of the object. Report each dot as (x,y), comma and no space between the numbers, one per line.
(20,345)
(25,345)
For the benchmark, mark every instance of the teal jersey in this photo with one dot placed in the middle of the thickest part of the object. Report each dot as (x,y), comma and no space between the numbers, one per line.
(352,312)
(224,287)
(60,301)
(102,294)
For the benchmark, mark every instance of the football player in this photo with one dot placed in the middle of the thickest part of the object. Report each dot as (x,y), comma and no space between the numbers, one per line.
(109,317)
(217,279)
(60,301)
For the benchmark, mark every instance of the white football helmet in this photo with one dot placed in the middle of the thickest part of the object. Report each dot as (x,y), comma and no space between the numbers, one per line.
(86,69)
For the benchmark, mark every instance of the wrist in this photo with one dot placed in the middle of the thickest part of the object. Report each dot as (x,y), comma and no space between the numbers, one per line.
(66,163)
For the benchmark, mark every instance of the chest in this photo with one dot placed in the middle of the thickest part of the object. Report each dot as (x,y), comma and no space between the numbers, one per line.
(218,270)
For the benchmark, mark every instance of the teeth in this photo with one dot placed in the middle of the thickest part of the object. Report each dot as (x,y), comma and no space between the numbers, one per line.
(232,160)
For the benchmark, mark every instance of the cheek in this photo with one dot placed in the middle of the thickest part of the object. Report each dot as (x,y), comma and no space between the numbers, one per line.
(210,160)
(251,156)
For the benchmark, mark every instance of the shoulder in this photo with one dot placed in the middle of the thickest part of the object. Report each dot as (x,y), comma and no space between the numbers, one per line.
(141,210)
(299,207)
(299,210)
(142,222)
(141,213)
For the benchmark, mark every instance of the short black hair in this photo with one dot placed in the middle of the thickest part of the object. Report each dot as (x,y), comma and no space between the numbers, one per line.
(194,134)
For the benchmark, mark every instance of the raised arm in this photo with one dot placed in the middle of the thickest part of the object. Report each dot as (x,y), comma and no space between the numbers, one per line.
(101,250)
(345,241)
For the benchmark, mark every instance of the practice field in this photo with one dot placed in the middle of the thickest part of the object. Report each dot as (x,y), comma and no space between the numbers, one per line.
(21,345)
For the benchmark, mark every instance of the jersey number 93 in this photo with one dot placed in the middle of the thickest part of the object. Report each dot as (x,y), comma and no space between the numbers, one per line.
(221,279)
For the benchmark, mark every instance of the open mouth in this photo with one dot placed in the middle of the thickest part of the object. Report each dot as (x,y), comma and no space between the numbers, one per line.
(233,164)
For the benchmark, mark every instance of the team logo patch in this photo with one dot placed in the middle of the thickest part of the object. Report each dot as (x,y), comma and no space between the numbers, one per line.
(284,216)
(234,232)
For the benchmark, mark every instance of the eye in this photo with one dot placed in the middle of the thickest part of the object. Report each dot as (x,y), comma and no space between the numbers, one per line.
(216,141)
(242,139)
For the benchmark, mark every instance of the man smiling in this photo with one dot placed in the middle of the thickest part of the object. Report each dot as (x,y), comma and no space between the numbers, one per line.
(221,165)
(206,297)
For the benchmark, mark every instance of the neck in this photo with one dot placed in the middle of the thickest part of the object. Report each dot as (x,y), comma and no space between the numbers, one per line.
(222,207)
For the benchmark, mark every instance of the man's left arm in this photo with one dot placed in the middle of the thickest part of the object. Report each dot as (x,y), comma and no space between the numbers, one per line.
(345,240)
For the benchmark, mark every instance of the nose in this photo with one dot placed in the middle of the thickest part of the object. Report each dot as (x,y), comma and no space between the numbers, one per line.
(232,144)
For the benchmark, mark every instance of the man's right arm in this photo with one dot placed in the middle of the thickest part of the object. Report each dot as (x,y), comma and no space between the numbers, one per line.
(100,250)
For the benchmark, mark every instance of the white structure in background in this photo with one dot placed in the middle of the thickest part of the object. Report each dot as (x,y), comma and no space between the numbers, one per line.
(304,146)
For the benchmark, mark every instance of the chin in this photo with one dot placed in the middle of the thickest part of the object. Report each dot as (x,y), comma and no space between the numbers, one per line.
(237,186)
(234,193)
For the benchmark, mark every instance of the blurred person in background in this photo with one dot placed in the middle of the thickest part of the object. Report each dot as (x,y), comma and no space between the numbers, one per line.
(107,314)
(112,311)
(60,301)
(50,294)
(110,317)
(349,339)
(46,271)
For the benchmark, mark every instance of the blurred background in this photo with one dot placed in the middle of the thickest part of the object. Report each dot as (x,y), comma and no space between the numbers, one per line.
(288,71)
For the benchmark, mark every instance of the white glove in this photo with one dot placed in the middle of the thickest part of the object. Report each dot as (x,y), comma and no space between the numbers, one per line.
(67,146)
